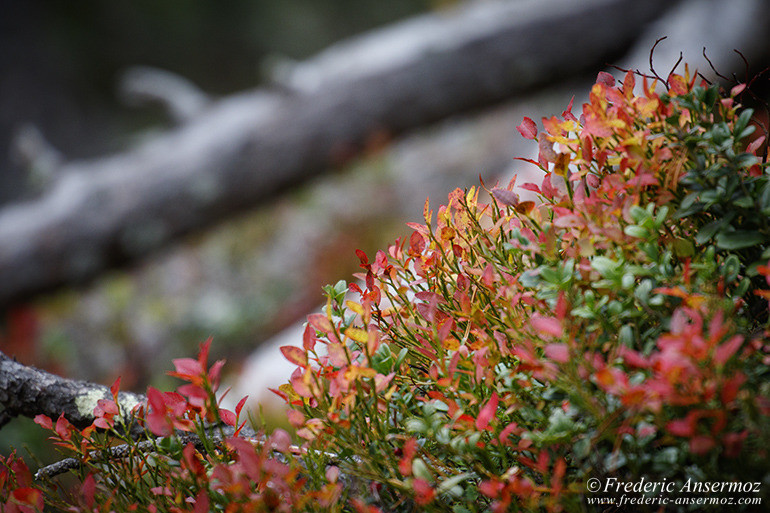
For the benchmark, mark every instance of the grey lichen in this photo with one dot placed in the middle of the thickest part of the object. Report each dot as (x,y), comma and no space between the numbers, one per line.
(87,401)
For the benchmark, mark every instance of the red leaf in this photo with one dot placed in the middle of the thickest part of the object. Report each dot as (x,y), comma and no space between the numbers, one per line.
(606,79)
(280,440)
(227,417)
(488,276)
(115,388)
(187,368)
(88,489)
(677,84)
(491,489)
(416,243)
(633,358)
(423,492)
(381,260)
(295,355)
(530,161)
(701,444)
(628,84)
(731,387)
(405,463)
(547,325)
(43,421)
(362,257)
(562,306)
(203,353)
(296,419)
(557,352)
(240,405)
(547,153)
(320,322)
(567,114)
(337,355)
(308,338)
(214,373)
(487,412)
(726,350)
(754,146)
(527,128)
(201,502)
(508,198)
(681,427)
(29,496)
(63,428)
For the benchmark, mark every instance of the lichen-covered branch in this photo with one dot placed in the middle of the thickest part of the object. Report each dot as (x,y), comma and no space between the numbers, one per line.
(242,150)
(29,392)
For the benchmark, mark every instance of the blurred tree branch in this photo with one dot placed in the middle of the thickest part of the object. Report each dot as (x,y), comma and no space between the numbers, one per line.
(241,151)
(29,392)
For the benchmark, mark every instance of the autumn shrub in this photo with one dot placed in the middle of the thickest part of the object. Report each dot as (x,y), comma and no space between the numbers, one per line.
(506,352)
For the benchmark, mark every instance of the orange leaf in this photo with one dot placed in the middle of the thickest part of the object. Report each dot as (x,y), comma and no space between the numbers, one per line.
(295,355)
(320,322)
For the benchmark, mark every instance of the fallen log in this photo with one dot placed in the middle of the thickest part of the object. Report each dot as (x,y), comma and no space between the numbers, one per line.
(243,150)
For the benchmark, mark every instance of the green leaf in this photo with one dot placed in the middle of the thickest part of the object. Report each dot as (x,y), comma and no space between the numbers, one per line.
(400,358)
(453,481)
(626,335)
(743,286)
(707,231)
(744,202)
(742,122)
(636,231)
(530,279)
(643,290)
(730,268)
(710,96)
(746,160)
(746,132)
(739,239)
(415,425)
(638,214)
(606,267)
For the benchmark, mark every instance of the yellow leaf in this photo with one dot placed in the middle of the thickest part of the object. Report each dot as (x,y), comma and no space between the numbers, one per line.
(359,372)
(287,389)
(355,307)
(427,213)
(357,334)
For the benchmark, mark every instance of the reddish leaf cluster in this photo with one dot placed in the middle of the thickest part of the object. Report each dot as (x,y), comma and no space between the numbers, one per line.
(502,340)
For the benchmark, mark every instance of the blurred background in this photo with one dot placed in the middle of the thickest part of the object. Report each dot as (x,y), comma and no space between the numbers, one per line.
(246,280)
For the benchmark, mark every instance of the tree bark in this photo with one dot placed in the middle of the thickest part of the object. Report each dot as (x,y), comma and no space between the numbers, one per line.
(30,392)
(243,150)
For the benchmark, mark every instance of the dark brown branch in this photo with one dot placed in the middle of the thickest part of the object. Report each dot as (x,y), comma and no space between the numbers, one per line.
(243,150)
